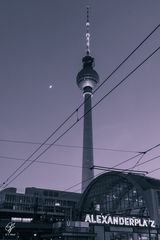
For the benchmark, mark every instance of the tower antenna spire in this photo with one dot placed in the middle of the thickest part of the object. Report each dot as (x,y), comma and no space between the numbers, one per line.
(87,34)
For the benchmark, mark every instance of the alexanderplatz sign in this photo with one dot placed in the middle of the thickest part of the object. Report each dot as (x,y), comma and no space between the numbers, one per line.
(120,220)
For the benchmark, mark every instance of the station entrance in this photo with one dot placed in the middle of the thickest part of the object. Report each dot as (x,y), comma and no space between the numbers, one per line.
(122,206)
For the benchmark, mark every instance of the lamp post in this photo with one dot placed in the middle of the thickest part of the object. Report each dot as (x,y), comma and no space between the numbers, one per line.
(149,230)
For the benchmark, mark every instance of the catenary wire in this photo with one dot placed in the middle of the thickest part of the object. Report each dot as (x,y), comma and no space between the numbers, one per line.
(154,170)
(79,183)
(83,102)
(149,160)
(38,148)
(138,161)
(75,111)
(144,153)
(141,155)
(44,162)
(69,146)
(81,118)
(148,36)
(129,159)
(116,86)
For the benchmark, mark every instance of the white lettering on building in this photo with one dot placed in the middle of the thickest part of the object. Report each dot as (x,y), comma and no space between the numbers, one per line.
(9,227)
(119,220)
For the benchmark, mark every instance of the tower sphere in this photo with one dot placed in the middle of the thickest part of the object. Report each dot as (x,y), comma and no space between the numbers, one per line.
(87,78)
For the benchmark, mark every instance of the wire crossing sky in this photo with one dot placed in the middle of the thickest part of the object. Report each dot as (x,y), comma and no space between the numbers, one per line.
(8,181)
(42,45)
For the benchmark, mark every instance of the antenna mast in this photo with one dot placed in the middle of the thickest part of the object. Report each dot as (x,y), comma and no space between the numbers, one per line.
(87,34)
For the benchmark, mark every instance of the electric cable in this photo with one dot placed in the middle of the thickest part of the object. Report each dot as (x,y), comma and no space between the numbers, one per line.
(80,118)
(68,146)
(49,163)
(147,161)
(129,159)
(79,183)
(154,170)
(51,135)
(148,36)
(144,153)
(140,44)
(138,161)
(117,85)
(141,154)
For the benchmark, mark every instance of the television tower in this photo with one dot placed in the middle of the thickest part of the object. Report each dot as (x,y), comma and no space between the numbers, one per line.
(87,79)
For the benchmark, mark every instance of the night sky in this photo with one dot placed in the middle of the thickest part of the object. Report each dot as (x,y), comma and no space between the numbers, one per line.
(42,43)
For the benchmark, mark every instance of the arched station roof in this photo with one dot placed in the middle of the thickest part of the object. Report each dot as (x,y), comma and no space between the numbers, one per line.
(119,192)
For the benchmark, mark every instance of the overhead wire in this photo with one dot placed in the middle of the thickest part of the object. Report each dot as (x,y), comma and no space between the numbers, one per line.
(127,160)
(138,161)
(69,117)
(75,111)
(51,135)
(68,129)
(149,160)
(68,146)
(154,170)
(141,155)
(44,162)
(117,85)
(132,52)
(144,153)
(79,183)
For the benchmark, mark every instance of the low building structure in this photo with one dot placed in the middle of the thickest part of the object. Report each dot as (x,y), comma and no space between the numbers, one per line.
(34,212)
(122,206)
(114,206)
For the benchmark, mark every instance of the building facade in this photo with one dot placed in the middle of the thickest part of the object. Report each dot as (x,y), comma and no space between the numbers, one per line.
(34,212)
(37,202)
(122,206)
(115,205)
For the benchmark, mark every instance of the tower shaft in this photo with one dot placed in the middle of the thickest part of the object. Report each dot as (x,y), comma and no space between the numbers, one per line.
(87,79)
(87,161)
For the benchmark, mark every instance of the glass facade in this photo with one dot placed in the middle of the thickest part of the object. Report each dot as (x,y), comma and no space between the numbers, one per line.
(115,195)
(116,206)
(40,202)
(127,196)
